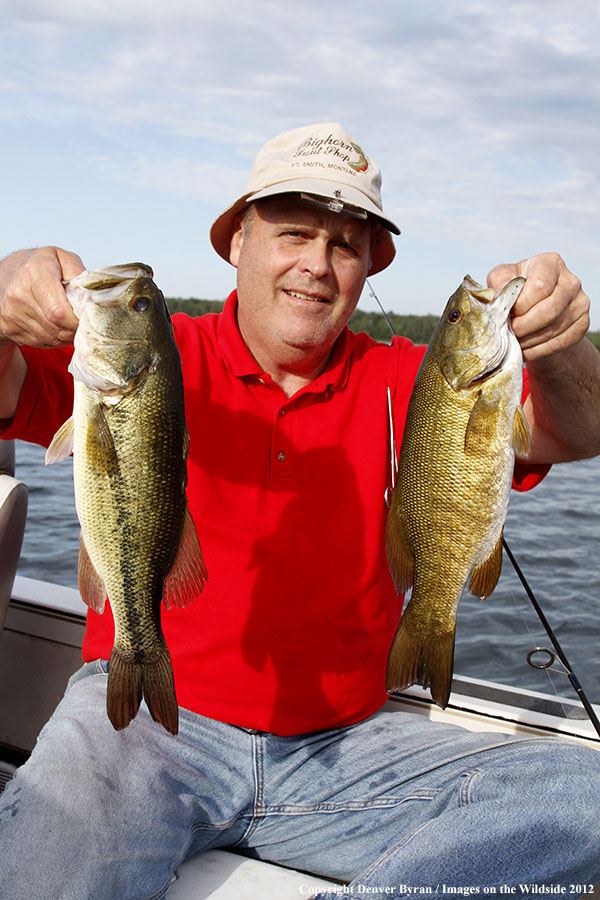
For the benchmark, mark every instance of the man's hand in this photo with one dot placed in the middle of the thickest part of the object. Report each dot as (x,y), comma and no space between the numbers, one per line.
(550,319)
(34,309)
(552,311)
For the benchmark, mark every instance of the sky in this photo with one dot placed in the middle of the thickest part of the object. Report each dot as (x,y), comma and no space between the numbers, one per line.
(127,127)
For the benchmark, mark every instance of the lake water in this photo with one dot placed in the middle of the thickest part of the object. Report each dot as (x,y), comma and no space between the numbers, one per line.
(553,531)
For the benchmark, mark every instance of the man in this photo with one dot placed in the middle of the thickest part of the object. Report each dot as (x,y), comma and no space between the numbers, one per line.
(282,751)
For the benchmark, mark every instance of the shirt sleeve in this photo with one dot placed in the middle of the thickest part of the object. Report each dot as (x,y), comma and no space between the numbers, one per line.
(528,475)
(46,399)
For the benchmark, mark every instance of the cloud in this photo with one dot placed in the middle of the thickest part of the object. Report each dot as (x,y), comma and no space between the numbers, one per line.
(208,182)
(191,66)
(481,116)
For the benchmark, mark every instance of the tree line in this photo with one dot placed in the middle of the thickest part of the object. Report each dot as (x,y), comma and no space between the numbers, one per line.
(418,328)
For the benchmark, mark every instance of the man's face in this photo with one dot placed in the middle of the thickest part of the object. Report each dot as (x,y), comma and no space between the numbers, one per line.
(301,270)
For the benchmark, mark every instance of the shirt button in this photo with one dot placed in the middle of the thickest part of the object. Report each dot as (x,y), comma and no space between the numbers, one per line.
(281,456)
(282,412)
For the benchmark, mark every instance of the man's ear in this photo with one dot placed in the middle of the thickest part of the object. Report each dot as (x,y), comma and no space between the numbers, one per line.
(237,239)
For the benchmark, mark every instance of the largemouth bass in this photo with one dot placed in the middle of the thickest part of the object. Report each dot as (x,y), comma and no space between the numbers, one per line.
(447,514)
(129,441)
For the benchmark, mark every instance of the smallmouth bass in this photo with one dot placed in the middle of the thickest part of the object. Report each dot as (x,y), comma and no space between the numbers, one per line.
(446,518)
(129,440)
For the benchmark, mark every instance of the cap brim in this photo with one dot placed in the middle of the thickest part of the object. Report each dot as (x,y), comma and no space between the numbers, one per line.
(319,187)
(384,250)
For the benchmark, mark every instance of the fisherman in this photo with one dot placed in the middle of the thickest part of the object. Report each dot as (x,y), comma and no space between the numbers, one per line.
(283,751)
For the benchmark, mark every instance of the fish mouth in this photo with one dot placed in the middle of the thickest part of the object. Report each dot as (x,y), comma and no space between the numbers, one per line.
(104,287)
(302,295)
(488,355)
(499,306)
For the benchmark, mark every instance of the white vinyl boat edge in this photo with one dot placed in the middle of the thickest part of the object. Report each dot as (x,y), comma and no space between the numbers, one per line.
(54,597)
(489,706)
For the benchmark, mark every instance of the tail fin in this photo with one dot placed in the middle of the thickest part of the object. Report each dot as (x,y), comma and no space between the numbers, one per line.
(129,680)
(419,657)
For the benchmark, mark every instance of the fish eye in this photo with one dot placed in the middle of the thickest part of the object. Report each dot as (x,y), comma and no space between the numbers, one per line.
(454,316)
(141,304)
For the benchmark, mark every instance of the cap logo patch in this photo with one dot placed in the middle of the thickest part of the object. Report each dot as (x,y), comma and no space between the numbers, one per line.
(363,164)
(331,150)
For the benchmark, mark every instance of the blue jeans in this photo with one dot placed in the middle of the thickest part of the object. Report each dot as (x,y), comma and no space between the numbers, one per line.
(393,802)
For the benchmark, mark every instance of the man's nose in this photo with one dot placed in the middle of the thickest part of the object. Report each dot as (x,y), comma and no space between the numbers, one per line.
(317,258)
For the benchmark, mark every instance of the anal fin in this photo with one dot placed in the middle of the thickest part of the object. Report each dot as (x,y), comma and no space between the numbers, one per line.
(188,574)
(399,554)
(484,577)
(91,586)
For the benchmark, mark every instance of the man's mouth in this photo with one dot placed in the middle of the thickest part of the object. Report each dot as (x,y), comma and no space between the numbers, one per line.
(299,295)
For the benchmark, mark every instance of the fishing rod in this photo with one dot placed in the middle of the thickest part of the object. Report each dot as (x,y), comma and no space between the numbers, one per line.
(573,679)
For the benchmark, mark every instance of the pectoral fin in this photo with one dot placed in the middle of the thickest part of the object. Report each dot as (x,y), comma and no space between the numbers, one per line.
(100,446)
(61,445)
(484,577)
(188,573)
(481,426)
(521,438)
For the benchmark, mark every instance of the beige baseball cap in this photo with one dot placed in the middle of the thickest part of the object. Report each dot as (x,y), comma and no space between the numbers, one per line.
(325,166)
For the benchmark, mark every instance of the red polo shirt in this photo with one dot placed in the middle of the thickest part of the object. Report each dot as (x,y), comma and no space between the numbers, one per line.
(293,629)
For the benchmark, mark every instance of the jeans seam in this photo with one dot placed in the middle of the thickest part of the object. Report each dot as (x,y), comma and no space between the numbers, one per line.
(389,852)
(220,826)
(259,774)
(298,809)
(465,794)
(258,808)
(164,890)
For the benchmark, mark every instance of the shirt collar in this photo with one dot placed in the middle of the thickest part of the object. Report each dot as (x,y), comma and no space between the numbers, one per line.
(242,363)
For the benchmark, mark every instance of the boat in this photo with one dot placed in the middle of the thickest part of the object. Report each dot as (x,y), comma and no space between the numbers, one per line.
(40,647)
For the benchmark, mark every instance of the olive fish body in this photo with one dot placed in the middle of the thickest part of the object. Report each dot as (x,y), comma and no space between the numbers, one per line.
(129,441)
(444,527)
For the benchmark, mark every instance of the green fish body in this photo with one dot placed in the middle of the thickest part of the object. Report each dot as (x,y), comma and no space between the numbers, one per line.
(129,441)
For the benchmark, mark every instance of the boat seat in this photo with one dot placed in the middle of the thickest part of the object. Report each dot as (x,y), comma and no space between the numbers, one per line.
(223,875)
(13,513)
